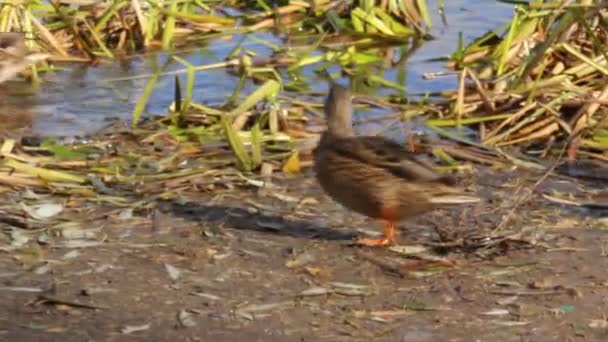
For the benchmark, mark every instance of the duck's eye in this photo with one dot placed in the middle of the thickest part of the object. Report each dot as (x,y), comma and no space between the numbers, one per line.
(7,42)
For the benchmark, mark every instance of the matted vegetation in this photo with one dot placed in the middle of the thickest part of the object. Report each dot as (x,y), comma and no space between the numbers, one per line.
(536,84)
(144,229)
(539,84)
(256,134)
(89,29)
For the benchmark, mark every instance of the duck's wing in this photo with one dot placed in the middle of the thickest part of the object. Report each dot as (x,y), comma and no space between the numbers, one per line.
(384,153)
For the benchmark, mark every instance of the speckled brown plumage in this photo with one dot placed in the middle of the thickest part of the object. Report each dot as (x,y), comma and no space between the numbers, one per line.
(373,175)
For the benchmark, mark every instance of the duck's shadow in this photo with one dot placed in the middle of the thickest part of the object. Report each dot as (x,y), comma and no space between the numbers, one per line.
(243,219)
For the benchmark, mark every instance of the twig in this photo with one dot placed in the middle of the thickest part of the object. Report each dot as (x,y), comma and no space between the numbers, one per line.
(526,198)
(529,293)
(56,300)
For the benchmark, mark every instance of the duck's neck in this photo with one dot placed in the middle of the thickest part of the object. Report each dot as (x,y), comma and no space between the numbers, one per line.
(339,119)
(338,111)
(340,129)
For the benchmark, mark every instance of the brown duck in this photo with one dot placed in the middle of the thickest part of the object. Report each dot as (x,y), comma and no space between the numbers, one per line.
(15,56)
(375,176)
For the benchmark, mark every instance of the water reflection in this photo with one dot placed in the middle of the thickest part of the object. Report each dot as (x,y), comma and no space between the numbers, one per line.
(80,99)
(16,109)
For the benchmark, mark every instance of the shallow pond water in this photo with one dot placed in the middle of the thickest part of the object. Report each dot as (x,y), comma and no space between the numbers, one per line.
(79,99)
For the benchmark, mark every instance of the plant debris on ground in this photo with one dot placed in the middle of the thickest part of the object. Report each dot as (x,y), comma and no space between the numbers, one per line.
(205,223)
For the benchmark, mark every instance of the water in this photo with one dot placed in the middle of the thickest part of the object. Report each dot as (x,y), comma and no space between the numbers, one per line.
(79,100)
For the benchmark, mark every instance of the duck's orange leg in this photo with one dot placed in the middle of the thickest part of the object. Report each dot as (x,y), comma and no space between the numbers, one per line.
(388,214)
(388,239)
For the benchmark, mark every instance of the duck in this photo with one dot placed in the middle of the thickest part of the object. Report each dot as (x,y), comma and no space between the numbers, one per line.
(16,118)
(15,56)
(374,175)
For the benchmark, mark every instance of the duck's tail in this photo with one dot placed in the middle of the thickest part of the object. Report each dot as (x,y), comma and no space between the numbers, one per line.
(454,199)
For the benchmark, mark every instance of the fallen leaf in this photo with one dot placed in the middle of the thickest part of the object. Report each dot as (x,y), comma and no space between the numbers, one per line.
(301,260)
(70,255)
(598,324)
(30,255)
(185,319)
(292,165)
(173,271)
(42,211)
(318,272)
(19,238)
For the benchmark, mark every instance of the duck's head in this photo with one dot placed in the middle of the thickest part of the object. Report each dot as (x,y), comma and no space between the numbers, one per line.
(15,55)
